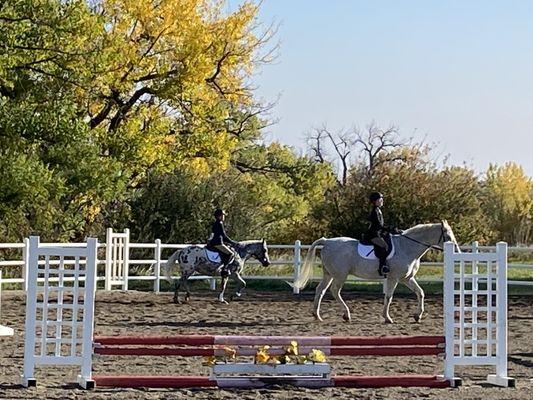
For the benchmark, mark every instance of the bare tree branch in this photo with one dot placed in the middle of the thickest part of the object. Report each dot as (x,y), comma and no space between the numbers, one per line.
(126,106)
(377,144)
(341,144)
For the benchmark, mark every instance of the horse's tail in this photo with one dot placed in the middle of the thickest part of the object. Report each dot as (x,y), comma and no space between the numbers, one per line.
(307,267)
(167,267)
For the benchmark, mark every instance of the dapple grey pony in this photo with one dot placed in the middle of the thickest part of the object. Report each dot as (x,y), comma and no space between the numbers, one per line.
(340,258)
(193,260)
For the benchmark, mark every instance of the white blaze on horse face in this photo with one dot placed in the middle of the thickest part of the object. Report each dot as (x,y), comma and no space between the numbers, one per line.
(264,254)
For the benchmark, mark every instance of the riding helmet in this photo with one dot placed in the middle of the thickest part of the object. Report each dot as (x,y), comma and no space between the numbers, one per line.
(375,196)
(219,212)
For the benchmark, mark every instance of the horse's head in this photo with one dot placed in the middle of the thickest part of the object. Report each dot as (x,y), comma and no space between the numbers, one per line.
(447,235)
(260,252)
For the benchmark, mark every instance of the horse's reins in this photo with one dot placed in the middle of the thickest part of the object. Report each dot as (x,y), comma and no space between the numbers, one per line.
(432,246)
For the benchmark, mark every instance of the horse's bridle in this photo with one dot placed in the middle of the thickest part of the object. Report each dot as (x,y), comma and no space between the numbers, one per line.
(432,246)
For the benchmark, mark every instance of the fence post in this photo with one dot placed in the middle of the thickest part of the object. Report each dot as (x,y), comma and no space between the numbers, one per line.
(475,288)
(126,260)
(501,378)
(449,314)
(25,258)
(157,268)
(85,377)
(501,289)
(297,263)
(108,257)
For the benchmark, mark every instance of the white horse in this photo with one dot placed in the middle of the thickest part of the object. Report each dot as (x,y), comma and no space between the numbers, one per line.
(340,257)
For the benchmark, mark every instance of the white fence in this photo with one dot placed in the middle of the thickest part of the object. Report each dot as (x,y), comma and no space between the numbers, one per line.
(117,257)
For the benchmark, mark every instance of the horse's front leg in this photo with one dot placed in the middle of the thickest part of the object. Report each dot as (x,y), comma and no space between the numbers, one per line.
(241,284)
(391,287)
(223,285)
(415,287)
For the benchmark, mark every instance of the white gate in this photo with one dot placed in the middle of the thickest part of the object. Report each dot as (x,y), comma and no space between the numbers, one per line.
(475,310)
(117,259)
(60,308)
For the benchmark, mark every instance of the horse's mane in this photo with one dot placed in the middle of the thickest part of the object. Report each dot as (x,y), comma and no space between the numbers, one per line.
(415,229)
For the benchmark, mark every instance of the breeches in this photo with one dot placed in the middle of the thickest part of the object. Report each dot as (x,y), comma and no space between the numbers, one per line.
(222,248)
(380,248)
(380,242)
(225,253)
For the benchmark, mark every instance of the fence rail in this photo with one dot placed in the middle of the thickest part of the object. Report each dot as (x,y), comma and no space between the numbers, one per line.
(117,255)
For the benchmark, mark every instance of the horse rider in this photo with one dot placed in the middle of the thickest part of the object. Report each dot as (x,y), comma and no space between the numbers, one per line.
(377,230)
(219,239)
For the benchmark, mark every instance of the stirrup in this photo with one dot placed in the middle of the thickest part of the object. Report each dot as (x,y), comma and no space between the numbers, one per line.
(383,270)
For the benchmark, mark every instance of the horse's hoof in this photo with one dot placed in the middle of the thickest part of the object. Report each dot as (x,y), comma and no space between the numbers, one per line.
(417,318)
(346,318)
(389,321)
(177,301)
(318,318)
(235,296)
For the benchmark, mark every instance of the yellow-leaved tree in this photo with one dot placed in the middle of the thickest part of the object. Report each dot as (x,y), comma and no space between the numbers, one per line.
(97,95)
(171,78)
(508,202)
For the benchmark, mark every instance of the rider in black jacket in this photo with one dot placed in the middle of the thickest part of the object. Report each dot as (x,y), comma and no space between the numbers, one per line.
(377,230)
(219,239)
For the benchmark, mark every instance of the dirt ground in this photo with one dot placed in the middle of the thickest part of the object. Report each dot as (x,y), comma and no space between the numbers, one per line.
(275,313)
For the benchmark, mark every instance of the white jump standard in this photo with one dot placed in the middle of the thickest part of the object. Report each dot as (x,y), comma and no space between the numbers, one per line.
(67,339)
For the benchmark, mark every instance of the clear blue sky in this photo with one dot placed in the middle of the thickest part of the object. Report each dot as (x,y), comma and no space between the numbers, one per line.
(458,72)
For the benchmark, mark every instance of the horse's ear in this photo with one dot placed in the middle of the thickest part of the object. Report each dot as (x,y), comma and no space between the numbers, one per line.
(263,241)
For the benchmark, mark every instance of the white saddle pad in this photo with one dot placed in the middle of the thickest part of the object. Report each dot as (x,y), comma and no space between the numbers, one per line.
(213,256)
(367,251)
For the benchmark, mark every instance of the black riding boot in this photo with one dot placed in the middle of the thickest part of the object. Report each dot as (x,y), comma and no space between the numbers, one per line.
(383,267)
(382,256)
(226,259)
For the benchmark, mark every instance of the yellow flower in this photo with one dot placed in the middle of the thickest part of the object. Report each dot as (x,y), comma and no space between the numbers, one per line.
(208,361)
(230,352)
(292,349)
(316,356)
(262,355)
(301,359)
